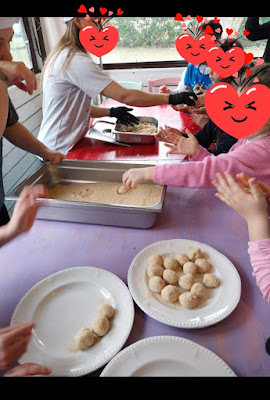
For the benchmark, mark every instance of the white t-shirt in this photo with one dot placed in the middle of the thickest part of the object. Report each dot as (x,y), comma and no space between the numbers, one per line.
(67,96)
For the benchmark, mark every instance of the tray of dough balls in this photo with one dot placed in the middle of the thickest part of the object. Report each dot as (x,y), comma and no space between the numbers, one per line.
(184,283)
(83,317)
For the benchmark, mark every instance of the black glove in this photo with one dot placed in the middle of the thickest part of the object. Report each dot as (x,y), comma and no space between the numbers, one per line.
(123,116)
(182,98)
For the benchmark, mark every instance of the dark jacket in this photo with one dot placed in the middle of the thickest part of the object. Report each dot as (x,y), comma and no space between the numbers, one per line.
(259,32)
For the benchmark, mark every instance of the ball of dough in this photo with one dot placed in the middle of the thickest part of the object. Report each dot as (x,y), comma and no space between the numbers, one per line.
(156,259)
(170,263)
(203,266)
(193,254)
(190,268)
(155,270)
(106,310)
(101,326)
(170,276)
(156,284)
(188,300)
(210,280)
(182,258)
(186,281)
(198,290)
(170,293)
(122,190)
(84,339)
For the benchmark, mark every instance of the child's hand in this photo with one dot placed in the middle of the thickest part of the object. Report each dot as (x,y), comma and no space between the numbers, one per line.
(28,369)
(181,145)
(243,179)
(164,134)
(135,176)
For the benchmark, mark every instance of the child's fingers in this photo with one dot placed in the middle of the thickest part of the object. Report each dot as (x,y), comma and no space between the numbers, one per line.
(256,189)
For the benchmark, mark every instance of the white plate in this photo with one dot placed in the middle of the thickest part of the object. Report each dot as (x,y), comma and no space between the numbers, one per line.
(222,300)
(62,304)
(166,356)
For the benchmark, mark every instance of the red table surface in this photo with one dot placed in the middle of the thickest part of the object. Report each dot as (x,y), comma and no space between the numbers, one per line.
(92,149)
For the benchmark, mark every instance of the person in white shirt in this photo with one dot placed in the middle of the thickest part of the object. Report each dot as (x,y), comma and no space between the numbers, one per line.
(71,79)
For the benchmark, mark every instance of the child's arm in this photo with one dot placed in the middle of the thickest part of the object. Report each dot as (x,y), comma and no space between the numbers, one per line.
(252,206)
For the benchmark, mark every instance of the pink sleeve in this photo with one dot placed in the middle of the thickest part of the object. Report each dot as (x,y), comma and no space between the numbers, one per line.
(249,158)
(260,260)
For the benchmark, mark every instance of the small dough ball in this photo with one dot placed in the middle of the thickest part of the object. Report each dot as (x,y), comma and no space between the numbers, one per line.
(84,339)
(170,276)
(182,258)
(155,270)
(156,259)
(198,290)
(170,263)
(106,310)
(156,284)
(123,190)
(190,268)
(210,280)
(186,281)
(188,300)
(193,254)
(203,266)
(170,293)
(101,326)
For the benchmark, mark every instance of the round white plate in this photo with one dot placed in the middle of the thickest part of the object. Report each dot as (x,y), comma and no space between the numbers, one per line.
(62,304)
(221,302)
(166,356)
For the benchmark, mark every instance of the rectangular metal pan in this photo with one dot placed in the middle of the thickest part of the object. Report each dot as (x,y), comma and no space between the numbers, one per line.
(90,213)
(126,137)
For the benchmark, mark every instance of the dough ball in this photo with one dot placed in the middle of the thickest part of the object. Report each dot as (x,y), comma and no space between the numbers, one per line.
(170,276)
(84,338)
(155,259)
(106,310)
(182,258)
(122,190)
(198,290)
(190,268)
(210,280)
(193,254)
(203,266)
(170,293)
(170,263)
(101,326)
(155,270)
(156,284)
(186,281)
(188,300)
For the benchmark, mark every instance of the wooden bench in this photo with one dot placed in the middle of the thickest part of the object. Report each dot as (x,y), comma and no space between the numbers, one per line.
(17,163)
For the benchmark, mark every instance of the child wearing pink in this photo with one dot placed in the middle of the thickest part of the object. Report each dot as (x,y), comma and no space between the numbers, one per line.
(259,252)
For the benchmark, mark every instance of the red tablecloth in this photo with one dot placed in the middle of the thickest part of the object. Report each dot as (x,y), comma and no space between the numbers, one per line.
(92,149)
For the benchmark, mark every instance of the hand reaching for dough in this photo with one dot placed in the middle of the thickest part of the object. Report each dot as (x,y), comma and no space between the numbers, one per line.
(164,134)
(181,145)
(134,176)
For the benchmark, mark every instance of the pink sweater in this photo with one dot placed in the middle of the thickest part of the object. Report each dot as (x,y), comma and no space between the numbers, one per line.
(252,157)
(260,260)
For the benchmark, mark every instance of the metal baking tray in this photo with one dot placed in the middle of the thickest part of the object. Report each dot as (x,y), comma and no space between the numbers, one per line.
(126,137)
(72,171)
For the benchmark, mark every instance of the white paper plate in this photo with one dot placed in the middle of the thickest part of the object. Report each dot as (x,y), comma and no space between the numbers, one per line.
(222,300)
(62,304)
(166,356)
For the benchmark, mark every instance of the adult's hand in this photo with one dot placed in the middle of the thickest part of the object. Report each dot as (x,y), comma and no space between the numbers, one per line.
(15,72)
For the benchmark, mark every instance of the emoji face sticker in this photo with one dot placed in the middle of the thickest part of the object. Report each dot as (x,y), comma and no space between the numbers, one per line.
(225,63)
(97,42)
(238,116)
(194,51)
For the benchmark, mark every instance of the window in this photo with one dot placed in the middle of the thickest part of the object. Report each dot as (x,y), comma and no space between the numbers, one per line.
(19,45)
(144,39)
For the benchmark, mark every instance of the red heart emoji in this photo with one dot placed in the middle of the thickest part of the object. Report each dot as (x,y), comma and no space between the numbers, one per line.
(99,43)
(194,51)
(119,12)
(103,10)
(225,63)
(199,18)
(229,31)
(82,9)
(248,57)
(238,116)
(179,17)
(216,20)
(248,72)
(209,30)
(246,32)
